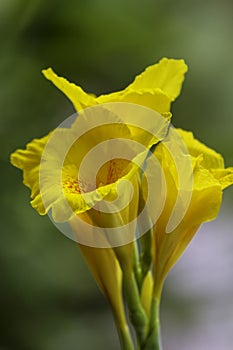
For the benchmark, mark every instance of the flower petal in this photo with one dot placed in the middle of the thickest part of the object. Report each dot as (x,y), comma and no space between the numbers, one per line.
(204,206)
(155,99)
(224,176)
(28,160)
(211,159)
(167,75)
(76,94)
(106,271)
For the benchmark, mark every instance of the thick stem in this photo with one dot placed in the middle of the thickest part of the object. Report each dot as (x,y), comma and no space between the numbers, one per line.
(154,338)
(137,314)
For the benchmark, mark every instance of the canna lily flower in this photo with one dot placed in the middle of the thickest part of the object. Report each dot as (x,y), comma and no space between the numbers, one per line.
(210,177)
(160,83)
(95,202)
(55,182)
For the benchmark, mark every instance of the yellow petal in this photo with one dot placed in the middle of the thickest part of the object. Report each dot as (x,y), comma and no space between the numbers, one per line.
(105,269)
(77,96)
(224,176)
(208,181)
(155,99)
(54,183)
(204,206)
(211,159)
(167,75)
(28,160)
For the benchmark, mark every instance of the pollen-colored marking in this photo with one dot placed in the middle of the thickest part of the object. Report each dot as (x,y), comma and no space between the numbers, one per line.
(71,185)
(83,185)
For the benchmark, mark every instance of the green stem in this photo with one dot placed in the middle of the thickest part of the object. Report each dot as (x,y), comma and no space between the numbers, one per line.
(137,314)
(154,338)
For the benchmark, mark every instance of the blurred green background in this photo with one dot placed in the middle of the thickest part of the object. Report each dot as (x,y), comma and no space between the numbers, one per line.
(48,299)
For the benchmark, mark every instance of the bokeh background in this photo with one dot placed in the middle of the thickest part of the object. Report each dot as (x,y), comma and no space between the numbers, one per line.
(48,299)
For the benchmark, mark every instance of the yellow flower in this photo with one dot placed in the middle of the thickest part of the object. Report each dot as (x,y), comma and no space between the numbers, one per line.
(162,82)
(156,87)
(210,177)
(109,192)
(52,170)
(57,184)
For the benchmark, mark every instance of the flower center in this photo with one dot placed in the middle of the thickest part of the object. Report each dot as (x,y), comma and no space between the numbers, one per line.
(109,173)
(71,185)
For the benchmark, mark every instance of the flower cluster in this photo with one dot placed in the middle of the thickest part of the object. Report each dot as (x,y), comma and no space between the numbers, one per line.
(139,264)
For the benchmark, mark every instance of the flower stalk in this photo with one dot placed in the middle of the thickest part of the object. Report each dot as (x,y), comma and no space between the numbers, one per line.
(137,314)
(154,337)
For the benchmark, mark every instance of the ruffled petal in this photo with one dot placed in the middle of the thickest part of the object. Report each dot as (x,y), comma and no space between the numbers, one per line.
(208,182)
(75,94)
(211,159)
(224,176)
(52,173)
(28,160)
(204,206)
(155,99)
(167,75)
